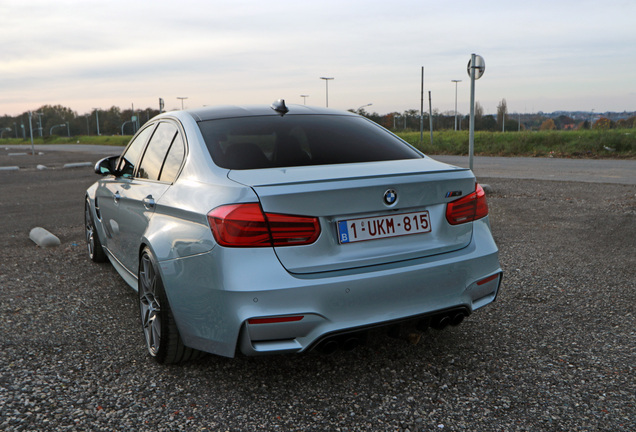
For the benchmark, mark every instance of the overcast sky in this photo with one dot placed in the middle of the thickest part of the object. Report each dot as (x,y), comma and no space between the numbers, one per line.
(540,55)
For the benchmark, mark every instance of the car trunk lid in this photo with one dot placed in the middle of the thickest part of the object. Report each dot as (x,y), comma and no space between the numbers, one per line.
(350,199)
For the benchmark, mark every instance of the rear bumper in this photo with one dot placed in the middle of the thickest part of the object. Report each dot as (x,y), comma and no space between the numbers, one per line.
(213,295)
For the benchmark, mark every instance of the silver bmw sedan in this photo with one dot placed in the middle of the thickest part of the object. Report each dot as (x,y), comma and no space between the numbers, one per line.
(276,229)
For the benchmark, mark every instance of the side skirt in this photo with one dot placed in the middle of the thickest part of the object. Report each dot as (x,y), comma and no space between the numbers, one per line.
(125,274)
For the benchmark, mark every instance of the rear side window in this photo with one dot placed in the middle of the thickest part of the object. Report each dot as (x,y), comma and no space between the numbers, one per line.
(128,161)
(152,162)
(297,140)
(174,159)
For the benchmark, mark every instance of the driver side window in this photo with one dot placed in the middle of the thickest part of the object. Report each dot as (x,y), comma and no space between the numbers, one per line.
(129,159)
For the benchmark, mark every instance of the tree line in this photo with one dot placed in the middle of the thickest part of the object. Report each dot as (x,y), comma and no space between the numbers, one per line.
(56,120)
(501,121)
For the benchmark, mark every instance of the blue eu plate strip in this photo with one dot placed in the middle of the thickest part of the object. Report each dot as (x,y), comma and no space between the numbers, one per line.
(343,232)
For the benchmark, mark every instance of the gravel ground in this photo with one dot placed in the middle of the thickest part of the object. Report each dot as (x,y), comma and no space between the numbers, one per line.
(555,352)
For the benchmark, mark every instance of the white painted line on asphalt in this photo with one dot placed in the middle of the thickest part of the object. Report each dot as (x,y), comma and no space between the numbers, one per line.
(41,167)
(18,154)
(78,164)
(9,168)
(43,238)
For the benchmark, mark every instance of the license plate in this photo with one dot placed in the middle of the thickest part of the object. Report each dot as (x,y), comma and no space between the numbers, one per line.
(355,230)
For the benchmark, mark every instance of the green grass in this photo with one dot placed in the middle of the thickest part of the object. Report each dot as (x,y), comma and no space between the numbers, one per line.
(114,140)
(574,144)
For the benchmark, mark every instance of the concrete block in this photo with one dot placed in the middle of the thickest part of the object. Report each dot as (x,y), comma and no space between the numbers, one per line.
(43,238)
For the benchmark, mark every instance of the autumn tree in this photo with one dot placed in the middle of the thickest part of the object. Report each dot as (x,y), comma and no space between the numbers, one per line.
(548,125)
(602,124)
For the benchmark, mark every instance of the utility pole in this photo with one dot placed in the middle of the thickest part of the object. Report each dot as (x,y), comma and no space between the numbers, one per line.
(456,81)
(430,116)
(422,108)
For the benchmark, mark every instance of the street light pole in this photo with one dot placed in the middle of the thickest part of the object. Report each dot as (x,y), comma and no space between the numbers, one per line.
(97,118)
(40,122)
(182,98)
(327,89)
(363,106)
(31,132)
(456,81)
(304,99)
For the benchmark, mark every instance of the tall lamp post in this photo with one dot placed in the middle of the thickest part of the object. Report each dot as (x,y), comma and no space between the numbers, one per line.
(363,106)
(327,89)
(182,98)
(97,118)
(456,81)
(304,99)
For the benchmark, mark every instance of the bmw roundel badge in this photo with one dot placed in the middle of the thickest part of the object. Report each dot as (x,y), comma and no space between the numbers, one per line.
(390,197)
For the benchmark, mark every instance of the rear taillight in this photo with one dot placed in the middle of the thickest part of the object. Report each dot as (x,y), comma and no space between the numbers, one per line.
(246,225)
(468,208)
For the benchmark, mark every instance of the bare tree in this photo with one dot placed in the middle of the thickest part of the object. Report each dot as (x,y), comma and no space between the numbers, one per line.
(502,110)
(479,112)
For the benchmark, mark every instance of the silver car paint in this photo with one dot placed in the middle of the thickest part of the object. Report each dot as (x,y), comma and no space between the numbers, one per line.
(220,290)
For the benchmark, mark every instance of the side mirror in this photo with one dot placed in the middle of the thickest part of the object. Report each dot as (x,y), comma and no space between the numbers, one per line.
(107,166)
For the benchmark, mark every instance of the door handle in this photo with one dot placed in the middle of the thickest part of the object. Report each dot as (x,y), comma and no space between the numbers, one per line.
(149,202)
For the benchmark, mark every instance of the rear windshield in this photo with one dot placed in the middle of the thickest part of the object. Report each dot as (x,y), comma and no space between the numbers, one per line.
(297,140)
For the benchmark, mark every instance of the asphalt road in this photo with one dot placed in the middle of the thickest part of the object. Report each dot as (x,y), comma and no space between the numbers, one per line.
(618,171)
(555,352)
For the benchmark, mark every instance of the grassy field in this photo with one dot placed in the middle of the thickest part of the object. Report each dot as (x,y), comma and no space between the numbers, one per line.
(614,143)
(114,140)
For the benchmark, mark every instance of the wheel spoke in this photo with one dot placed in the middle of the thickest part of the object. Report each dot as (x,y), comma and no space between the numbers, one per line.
(90,236)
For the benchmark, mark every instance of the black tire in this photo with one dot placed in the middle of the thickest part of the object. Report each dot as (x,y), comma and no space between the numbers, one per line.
(160,330)
(94,245)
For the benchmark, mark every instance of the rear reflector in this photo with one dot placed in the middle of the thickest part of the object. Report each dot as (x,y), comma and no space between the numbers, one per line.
(246,225)
(468,208)
(488,279)
(275,320)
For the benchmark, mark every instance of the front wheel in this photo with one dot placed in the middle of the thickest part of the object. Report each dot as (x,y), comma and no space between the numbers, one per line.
(160,330)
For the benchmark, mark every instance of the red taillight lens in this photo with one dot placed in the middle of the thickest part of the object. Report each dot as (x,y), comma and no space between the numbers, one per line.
(288,230)
(245,225)
(468,208)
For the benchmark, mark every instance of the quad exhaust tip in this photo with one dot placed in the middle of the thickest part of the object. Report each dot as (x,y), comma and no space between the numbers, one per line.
(349,342)
(344,343)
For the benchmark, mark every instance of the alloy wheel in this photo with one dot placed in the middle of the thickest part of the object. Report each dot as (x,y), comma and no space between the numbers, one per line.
(150,307)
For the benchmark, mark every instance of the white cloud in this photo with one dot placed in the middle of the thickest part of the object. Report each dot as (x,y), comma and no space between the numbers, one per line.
(549,55)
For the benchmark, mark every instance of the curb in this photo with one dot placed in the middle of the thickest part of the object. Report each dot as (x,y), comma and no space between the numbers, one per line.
(43,238)
(78,165)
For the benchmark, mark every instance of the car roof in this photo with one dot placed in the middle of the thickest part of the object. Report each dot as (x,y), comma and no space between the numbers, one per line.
(231,111)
